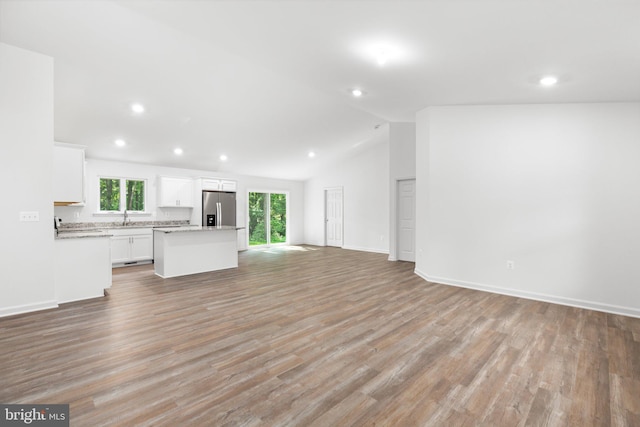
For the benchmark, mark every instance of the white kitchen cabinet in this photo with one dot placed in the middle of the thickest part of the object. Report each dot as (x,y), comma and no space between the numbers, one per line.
(175,192)
(131,245)
(215,184)
(68,174)
(228,185)
(210,184)
(142,248)
(120,249)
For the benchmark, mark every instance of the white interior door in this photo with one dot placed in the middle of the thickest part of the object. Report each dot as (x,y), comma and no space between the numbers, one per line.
(333,217)
(406,220)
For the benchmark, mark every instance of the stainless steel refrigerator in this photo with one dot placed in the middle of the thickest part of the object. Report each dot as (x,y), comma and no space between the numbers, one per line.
(218,208)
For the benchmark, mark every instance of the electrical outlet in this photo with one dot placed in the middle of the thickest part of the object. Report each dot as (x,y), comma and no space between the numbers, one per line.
(511,265)
(29,216)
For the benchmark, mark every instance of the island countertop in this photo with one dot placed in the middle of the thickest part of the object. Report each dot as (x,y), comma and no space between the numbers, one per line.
(196,228)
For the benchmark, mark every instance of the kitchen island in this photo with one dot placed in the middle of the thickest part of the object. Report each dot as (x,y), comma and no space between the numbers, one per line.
(179,251)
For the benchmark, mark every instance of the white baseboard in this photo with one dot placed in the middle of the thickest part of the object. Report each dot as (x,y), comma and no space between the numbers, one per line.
(358,248)
(27,308)
(572,302)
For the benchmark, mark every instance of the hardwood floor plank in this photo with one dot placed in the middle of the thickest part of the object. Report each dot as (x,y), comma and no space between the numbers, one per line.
(313,336)
(541,409)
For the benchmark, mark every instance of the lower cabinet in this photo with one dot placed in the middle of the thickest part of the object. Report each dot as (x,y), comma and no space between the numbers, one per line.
(131,246)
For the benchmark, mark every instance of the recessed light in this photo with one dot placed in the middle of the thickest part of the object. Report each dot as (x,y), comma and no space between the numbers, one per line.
(137,108)
(178,151)
(311,154)
(223,157)
(356,92)
(382,55)
(387,51)
(120,142)
(548,81)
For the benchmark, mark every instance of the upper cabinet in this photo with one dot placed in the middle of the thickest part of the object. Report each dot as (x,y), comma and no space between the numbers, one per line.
(210,184)
(228,185)
(68,174)
(175,192)
(214,184)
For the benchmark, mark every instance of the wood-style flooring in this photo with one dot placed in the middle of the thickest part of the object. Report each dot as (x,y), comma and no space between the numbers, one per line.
(313,336)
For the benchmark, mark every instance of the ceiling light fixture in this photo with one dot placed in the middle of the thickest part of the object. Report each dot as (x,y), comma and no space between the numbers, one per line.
(548,81)
(382,55)
(223,157)
(356,92)
(177,151)
(137,108)
(383,52)
(120,142)
(311,154)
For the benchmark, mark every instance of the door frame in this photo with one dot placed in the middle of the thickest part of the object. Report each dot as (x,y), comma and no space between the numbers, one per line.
(393,214)
(325,219)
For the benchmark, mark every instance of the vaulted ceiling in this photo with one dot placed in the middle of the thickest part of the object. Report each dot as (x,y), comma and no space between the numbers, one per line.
(266,82)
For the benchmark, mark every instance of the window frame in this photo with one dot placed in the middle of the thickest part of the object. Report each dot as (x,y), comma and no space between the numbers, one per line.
(123,195)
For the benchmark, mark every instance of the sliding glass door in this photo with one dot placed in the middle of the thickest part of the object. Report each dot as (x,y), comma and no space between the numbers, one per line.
(267,218)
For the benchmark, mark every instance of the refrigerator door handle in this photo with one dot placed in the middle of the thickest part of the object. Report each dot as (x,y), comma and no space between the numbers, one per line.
(218,214)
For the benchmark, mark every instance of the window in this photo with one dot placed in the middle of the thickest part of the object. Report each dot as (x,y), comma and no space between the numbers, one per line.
(134,195)
(109,194)
(267,218)
(118,194)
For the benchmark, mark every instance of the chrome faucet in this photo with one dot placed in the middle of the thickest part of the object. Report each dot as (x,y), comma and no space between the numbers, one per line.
(124,219)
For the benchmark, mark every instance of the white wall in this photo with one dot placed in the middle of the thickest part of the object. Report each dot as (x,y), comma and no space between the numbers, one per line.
(96,168)
(26,167)
(402,165)
(365,181)
(554,188)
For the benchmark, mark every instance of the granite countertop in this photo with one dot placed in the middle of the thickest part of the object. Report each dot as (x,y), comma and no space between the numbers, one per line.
(196,228)
(101,229)
(76,227)
(81,234)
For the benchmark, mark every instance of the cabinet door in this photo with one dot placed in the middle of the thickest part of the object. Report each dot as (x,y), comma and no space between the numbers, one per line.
(168,191)
(120,249)
(175,192)
(211,184)
(185,193)
(141,248)
(68,175)
(229,186)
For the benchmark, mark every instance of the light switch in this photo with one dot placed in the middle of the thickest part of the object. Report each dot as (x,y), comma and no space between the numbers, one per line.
(29,216)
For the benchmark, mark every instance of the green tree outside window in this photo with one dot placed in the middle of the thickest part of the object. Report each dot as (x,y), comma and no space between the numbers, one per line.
(278,213)
(257,223)
(135,195)
(109,194)
(267,218)
(112,198)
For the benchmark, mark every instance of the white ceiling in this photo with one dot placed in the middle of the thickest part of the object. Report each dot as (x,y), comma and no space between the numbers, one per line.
(264,82)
